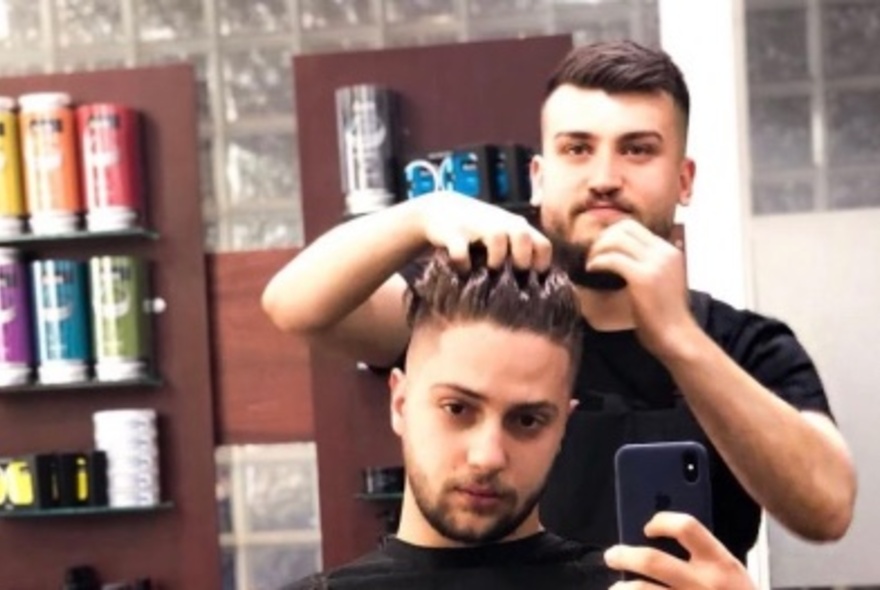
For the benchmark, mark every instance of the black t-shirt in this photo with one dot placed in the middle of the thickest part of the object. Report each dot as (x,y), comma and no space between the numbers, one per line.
(542,560)
(626,395)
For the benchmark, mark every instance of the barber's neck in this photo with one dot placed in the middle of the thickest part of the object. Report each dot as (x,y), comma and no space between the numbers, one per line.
(606,311)
(416,530)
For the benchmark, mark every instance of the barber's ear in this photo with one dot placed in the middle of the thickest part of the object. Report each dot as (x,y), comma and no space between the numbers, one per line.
(397,385)
(536,176)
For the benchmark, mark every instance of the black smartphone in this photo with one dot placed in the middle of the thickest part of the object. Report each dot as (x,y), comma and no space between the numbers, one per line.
(655,477)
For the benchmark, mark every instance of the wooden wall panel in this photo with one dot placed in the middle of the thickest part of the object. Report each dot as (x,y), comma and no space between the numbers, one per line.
(177,547)
(262,377)
(451,95)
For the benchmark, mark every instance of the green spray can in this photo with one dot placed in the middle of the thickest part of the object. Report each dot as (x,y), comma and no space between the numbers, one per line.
(119,321)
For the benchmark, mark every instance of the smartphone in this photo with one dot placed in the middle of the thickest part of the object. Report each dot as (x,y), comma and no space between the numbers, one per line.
(655,477)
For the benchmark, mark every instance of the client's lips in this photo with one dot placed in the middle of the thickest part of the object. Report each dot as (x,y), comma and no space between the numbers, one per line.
(480,492)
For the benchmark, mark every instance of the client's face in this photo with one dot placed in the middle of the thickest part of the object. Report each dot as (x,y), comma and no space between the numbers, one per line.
(481,413)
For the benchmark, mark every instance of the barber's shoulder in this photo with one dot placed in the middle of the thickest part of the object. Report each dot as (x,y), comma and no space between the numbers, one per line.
(729,325)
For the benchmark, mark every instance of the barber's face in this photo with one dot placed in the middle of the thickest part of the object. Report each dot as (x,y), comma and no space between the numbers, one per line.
(481,412)
(606,157)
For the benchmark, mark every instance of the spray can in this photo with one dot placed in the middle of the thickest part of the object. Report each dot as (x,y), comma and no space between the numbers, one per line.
(48,141)
(16,356)
(119,323)
(61,314)
(110,147)
(11,189)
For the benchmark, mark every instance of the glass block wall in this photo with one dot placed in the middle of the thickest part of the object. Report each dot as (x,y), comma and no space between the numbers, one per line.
(242,51)
(267,498)
(814,95)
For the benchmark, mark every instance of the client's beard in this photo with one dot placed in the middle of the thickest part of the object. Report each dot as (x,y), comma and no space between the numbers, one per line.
(572,258)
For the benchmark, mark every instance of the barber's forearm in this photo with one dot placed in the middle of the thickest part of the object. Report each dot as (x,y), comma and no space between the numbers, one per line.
(798,472)
(341,269)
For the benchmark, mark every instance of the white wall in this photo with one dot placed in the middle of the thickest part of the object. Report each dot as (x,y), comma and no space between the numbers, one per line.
(819,271)
(706,39)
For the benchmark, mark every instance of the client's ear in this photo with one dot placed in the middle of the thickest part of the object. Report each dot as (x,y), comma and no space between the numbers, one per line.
(397,385)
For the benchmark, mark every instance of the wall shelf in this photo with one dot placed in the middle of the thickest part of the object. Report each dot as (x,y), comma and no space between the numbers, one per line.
(84,511)
(149,382)
(30,240)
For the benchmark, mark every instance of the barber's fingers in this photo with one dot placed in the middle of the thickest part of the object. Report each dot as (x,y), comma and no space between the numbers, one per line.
(457,246)
(527,248)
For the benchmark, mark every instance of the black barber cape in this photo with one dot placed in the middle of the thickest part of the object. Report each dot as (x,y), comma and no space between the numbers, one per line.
(542,560)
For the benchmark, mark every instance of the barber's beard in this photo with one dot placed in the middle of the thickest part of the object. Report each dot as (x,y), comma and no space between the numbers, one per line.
(572,256)
(442,512)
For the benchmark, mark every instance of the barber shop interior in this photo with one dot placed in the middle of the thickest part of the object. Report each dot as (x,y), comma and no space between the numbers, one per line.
(439,294)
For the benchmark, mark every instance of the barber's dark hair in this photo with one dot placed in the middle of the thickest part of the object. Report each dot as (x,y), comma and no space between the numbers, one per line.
(622,66)
(541,303)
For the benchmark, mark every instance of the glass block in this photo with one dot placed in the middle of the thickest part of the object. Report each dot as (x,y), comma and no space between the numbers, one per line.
(478,33)
(257,82)
(335,44)
(20,26)
(850,39)
(256,16)
(213,238)
(853,126)
(488,8)
(782,196)
(776,44)
(262,168)
(87,22)
(599,31)
(327,14)
(438,11)
(21,68)
(204,78)
(89,63)
(224,494)
(206,171)
(854,189)
(252,231)
(648,31)
(405,37)
(281,495)
(228,568)
(272,566)
(164,20)
(781,135)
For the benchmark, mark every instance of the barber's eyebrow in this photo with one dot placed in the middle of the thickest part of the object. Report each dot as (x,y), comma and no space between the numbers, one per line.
(629,136)
(542,406)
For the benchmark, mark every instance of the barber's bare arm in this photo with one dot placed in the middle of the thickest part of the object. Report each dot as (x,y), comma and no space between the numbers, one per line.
(710,567)
(342,291)
(795,464)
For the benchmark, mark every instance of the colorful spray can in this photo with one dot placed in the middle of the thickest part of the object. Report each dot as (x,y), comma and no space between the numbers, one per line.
(61,319)
(119,323)
(11,189)
(110,147)
(48,142)
(16,355)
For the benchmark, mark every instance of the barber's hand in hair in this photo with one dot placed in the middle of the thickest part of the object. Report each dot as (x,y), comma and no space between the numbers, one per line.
(711,566)
(655,276)
(454,221)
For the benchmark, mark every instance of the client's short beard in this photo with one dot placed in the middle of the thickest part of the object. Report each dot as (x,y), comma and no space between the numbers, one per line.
(438,516)
(572,258)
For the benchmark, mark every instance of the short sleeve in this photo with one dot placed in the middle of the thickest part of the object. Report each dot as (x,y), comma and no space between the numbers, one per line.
(769,351)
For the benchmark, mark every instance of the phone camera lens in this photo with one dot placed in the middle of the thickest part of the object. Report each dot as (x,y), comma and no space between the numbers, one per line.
(691,471)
